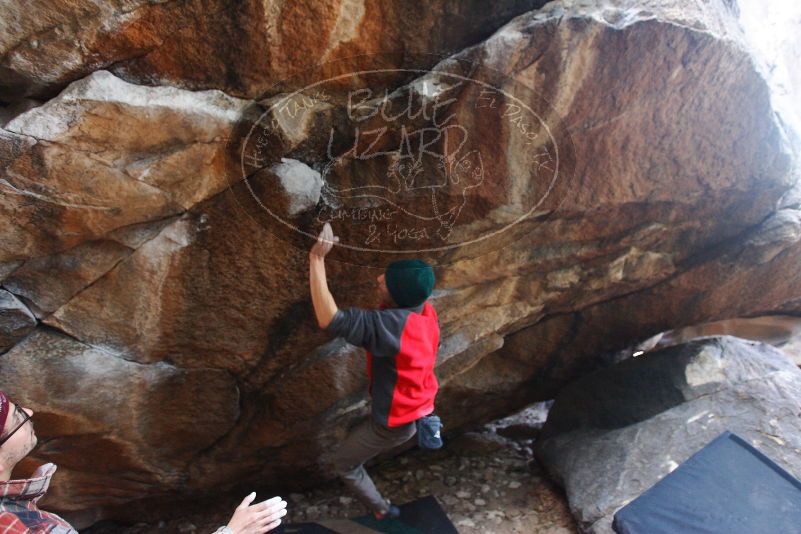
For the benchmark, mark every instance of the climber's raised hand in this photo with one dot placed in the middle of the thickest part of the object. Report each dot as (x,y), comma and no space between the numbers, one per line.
(325,242)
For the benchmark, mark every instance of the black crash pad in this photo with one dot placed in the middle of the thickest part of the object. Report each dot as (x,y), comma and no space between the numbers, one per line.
(728,487)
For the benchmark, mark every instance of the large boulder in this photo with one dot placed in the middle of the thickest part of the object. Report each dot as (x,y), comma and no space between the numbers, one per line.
(137,230)
(105,155)
(121,427)
(614,433)
(243,48)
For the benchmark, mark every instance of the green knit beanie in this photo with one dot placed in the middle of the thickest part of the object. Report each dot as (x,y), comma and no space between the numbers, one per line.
(410,282)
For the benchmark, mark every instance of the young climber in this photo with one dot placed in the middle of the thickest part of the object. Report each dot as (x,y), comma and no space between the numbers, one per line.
(19,513)
(401,339)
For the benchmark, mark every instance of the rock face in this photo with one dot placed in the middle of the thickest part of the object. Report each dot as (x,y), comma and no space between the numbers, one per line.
(157,214)
(16,320)
(140,420)
(613,434)
(106,155)
(242,49)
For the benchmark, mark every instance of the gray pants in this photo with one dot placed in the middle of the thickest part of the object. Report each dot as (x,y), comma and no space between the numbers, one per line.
(365,441)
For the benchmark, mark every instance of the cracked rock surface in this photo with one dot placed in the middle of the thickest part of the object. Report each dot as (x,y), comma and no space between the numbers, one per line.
(176,330)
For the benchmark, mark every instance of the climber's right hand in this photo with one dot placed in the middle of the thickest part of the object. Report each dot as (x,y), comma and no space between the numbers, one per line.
(325,242)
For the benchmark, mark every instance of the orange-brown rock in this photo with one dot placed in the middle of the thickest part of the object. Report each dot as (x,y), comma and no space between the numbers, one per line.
(127,429)
(160,237)
(243,48)
(106,154)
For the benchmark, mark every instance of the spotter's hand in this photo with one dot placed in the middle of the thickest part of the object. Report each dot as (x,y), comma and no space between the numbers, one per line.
(257,518)
(325,242)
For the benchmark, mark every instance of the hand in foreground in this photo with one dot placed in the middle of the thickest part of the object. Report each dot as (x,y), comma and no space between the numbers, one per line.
(258,518)
(325,242)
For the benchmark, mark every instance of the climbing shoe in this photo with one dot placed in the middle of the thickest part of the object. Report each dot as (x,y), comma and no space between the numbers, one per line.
(393,512)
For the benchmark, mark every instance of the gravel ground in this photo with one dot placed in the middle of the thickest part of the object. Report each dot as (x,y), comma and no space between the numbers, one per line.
(486,480)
